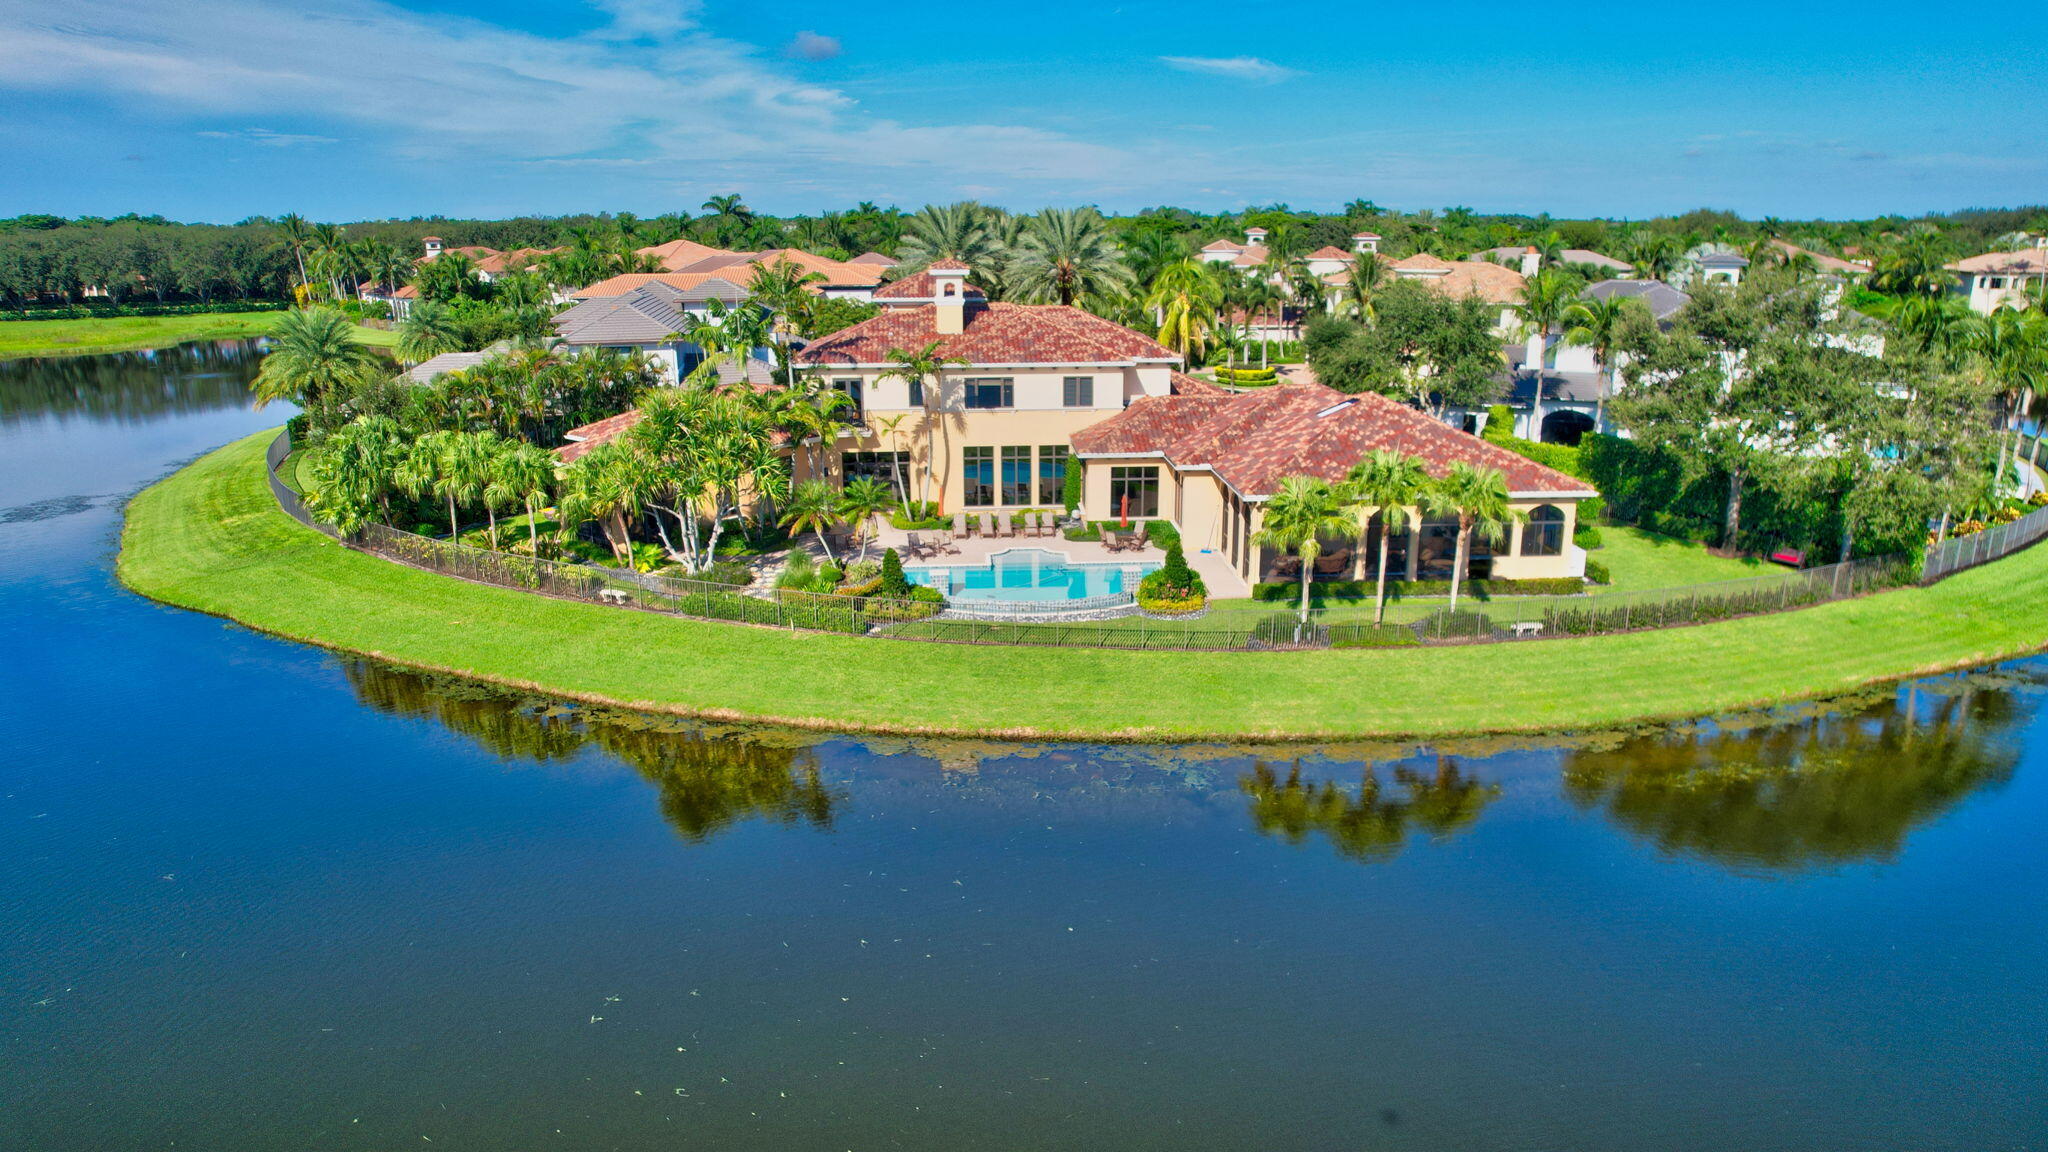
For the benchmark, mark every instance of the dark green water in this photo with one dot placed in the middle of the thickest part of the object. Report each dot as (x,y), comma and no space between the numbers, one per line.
(254,896)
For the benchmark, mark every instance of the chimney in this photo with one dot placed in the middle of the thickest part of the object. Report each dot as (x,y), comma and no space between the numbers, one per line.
(949,296)
(1531,261)
(1255,237)
(1365,242)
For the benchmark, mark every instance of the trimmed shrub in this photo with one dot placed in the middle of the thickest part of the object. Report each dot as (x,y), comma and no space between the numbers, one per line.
(861,571)
(1586,536)
(866,587)
(1597,572)
(894,585)
(798,572)
(918,516)
(1284,590)
(829,576)
(1071,494)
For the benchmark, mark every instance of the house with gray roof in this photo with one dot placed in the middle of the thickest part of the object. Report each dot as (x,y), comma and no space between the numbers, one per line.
(650,320)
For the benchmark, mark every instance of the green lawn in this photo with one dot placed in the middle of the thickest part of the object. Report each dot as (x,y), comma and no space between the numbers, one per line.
(1639,560)
(210,538)
(20,338)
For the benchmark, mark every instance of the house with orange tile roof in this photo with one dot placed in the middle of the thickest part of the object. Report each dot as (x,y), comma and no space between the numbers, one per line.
(1209,462)
(991,431)
(1997,280)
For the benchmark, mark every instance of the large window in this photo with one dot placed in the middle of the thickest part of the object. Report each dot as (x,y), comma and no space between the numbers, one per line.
(1052,474)
(891,468)
(978,477)
(1078,392)
(990,392)
(1016,475)
(1544,534)
(1134,492)
(916,393)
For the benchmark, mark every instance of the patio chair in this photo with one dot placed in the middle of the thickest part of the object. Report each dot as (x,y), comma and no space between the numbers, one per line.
(1112,540)
(960,530)
(986,525)
(914,545)
(1041,524)
(1141,539)
(1333,564)
(1287,568)
(1006,526)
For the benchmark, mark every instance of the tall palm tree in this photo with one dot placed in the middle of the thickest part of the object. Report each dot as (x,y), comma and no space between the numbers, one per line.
(1185,299)
(607,485)
(429,469)
(1478,498)
(2011,350)
(924,370)
(1065,254)
(730,213)
(861,502)
(1598,324)
(1299,515)
(812,411)
(314,358)
(1546,297)
(784,291)
(330,245)
(352,472)
(812,507)
(1655,256)
(428,330)
(525,474)
(1391,484)
(298,236)
(1151,252)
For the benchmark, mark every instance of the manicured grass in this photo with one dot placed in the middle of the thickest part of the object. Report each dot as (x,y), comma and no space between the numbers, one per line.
(20,338)
(1639,560)
(211,538)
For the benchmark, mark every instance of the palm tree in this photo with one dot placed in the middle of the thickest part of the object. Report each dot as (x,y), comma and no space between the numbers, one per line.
(314,355)
(862,501)
(607,485)
(1478,497)
(784,291)
(811,409)
(2011,349)
(298,235)
(448,276)
(1367,273)
(429,470)
(330,247)
(351,473)
(924,371)
(1655,256)
(730,212)
(428,330)
(1065,254)
(812,506)
(525,473)
(946,232)
(1299,515)
(1391,484)
(1598,324)
(1546,297)
(1151,252)
(889,430)
(1185,298)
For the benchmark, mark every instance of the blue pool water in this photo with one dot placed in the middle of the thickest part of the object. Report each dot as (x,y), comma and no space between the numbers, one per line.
(1029,574)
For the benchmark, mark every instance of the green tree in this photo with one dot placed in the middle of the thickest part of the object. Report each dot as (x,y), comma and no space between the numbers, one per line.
(1299,515)
(1185,299)
(524,474)
(428,330)
(351,473)
(862,502)
(1547,299)
(924,370)
(1392,484)
(314,362)
(947,232)
(1603,324)
(812,507)
(1478,499)
(1066,254)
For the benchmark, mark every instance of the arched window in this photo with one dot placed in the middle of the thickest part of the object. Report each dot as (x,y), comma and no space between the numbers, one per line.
(1544,534)
(952,290)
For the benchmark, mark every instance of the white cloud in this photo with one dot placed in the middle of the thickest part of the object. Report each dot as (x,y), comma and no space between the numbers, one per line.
(648,86)
(269,139)
(813,46)
(1256,69)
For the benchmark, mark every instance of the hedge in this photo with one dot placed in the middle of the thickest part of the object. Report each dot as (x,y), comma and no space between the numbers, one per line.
(108,311)
(1284,590)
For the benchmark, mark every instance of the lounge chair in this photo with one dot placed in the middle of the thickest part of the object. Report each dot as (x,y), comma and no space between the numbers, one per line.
(1006,526)
(986,526)
(960,525)
(1333,564)
(913,544)
(1287,568)
(1040,525)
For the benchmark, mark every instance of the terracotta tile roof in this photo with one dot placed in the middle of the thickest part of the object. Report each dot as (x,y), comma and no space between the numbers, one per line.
(1484,279)
(1222,246)
(1329,252)
(1254,440)
(947,266)
(874,258)
(407,292)
(918,287)
(2026,262)
(1186,385)
(1251,257)
(1821,260)
(500,262)
(582,440)
(676,254)
(1365,236)
(1421,262)
(835,273)
(994,334)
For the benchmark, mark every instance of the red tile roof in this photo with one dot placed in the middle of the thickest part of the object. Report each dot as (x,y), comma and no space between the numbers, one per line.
(1329,252)
(2026,261)
(678,254)
(995,334)
(627,282)
(1254,440)
(947,266)
(874,258)
(582,440)
(917,287)
(1186,385)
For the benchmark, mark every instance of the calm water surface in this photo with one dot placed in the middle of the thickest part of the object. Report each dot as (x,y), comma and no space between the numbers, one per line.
(254,896)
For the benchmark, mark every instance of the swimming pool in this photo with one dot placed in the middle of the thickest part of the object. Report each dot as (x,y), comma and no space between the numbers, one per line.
(1029,574)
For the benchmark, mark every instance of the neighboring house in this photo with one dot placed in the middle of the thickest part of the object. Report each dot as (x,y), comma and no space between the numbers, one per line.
(694,288)
(427,370)
(992,432)
(1209,462)
(1516,256)
(1713,265)
(650,320)
(836,277)
(1481,279)
(875,258)
(1997,280)
(1833,265)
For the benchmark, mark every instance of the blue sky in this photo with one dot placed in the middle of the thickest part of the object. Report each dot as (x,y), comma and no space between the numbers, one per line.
(219,109)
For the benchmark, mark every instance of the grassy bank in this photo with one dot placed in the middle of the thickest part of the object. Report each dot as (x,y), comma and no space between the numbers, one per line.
(210,538)
(22,338)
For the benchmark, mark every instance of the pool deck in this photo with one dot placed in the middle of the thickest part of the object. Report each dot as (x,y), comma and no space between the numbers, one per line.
(1214,570)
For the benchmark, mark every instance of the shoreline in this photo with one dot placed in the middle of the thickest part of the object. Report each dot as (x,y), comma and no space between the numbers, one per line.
(209,538)
(98,335)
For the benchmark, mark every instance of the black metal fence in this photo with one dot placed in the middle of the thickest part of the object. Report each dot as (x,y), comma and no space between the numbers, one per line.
(1238,631)
(274,457)
(1957,553)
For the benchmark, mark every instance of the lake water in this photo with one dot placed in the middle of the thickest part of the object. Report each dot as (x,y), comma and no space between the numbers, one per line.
(254,896)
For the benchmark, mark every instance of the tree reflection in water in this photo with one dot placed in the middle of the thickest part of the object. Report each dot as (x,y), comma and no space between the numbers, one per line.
(707,781)
(1839,787)
(1371,825)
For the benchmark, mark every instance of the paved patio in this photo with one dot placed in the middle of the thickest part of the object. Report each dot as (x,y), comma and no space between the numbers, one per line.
(1212,568)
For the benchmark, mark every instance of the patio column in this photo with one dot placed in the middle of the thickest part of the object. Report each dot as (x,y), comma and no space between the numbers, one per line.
(1414,543)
